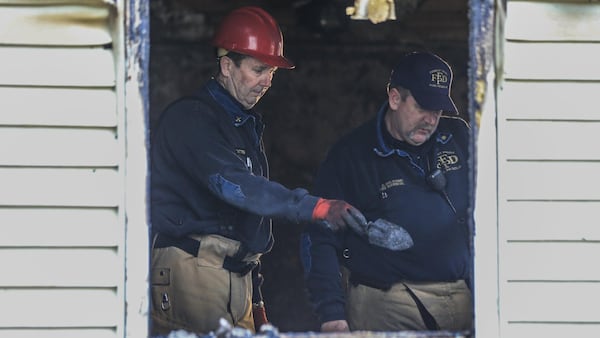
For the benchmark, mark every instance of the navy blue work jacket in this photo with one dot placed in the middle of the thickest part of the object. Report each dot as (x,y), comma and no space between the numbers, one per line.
(386,178)
(209,173)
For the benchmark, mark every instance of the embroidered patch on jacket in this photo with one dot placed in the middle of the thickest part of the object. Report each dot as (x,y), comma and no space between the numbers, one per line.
(448,160)
(388,185)
(443,137)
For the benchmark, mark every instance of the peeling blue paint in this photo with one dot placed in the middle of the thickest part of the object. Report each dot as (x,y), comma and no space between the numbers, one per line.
(138,44)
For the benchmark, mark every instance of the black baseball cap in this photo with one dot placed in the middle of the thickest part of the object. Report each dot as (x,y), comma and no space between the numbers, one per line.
(429,79)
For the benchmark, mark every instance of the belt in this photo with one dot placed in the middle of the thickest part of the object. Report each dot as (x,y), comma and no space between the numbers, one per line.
(186,244)
(191,246)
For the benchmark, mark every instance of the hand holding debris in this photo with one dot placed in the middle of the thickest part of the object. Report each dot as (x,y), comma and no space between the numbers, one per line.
(380,232)
(388,235)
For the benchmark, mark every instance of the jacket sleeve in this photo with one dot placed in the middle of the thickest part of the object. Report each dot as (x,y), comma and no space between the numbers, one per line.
(319,251)
(191,139)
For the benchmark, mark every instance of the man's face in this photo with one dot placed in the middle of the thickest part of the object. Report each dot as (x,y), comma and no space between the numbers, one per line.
(248,82)
(408,122)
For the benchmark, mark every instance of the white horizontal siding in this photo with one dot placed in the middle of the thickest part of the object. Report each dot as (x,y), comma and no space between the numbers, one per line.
(55,25)
(56,2)
(556,101)
(575,302)
(43,106)
(548,160)
(550,181)
(57,307)
(529,330)
(551,221)
(62,227)
(59,333)
(61,170)
(59,267)
(74,67)
(554,140)
(552,61)
(551,261)
(552,21)
(60,187)
(59,147)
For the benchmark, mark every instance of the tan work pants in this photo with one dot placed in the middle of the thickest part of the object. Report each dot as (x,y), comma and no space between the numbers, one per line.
(192,293)
(395,310)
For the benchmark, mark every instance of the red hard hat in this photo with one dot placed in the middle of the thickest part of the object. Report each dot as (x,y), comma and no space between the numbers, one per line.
(252,31)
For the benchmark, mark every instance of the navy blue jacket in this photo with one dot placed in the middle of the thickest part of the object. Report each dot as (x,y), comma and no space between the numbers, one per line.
(385,178)
(209,173)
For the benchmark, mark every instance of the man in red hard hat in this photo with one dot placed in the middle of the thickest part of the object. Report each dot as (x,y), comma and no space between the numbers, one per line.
(211,197)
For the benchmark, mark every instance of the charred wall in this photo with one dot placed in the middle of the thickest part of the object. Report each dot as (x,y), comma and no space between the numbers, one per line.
(342,68)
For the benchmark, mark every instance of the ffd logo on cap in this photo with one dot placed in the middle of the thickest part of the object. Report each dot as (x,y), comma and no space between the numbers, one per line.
(429,79)
(439,78)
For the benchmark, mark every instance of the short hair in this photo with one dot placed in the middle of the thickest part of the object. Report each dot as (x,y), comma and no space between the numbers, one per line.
(404,93)
(236,57)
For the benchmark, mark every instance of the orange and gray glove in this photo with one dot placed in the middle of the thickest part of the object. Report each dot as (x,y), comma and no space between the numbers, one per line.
(338,215)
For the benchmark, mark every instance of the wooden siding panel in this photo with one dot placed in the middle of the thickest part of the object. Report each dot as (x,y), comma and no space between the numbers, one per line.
(47,227)
(61,173)
(543,1)
(59,147)
(547,140)
(550,261)
(552,61)
(84,67)
(549,101)
(547,165)
(32,106)
(60,187)
(56,2)
(549,181)
(87,267)
(551,302)
(559,330)
(565,221)
(47,308)
(60,333)
(54,25)
(552,21)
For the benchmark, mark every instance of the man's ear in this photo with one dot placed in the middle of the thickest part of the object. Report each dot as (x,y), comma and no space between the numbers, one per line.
(394,98)
(225,63)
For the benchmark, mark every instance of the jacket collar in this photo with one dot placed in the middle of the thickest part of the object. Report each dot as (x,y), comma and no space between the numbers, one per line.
(239,115)
(384,149)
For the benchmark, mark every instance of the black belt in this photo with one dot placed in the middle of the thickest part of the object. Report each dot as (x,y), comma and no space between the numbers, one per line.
(186,244)
(191,246)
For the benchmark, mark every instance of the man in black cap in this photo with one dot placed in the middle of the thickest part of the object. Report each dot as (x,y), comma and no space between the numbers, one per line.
(408,166)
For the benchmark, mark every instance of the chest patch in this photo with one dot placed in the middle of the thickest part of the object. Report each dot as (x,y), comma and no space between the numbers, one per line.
(388,185)
(391,184)
(448,161)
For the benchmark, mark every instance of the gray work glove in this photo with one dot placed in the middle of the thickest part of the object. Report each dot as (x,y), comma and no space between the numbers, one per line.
(338,215)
